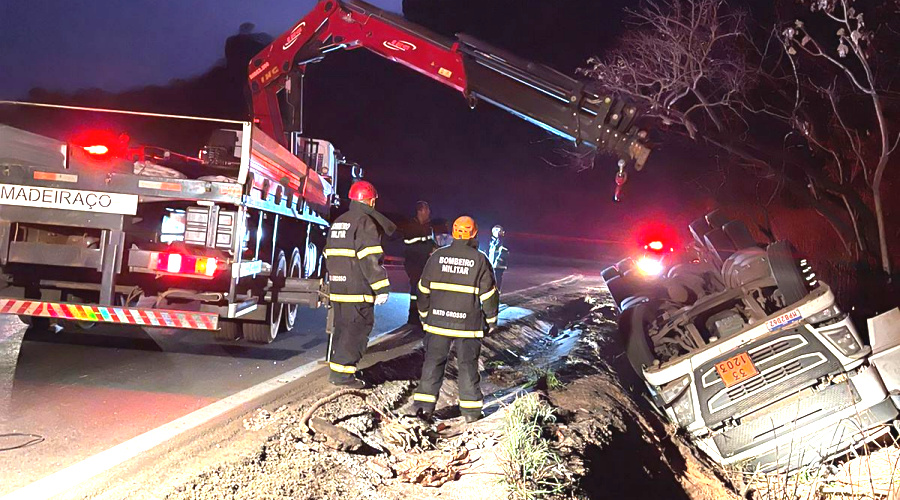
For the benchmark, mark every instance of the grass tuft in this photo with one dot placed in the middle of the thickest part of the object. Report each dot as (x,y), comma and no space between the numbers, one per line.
(532,470)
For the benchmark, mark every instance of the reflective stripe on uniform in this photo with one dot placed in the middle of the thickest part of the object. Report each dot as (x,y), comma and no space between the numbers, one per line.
(423,288)
(488,294)
(492,320)
(423,313)
(365,252)
(412,296)
(471,405)
(416,240)
(451,287)
(451,332)
(425,398)
(340,252)
(380,284)
(339,297)
(342,368)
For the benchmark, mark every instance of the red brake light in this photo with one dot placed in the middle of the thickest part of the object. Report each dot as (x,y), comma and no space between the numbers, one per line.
(97,149)
(174,263)
(656,245)
(102,143)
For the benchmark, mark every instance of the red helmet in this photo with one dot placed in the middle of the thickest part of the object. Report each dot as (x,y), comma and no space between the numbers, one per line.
(363,191)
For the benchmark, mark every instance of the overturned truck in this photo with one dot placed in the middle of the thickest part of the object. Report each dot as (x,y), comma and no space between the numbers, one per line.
(742,347)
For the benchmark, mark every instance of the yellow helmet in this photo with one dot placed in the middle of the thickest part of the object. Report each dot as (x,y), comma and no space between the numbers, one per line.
(464,228)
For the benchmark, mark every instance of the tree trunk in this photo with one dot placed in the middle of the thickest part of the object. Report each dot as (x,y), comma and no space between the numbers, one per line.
(855,223)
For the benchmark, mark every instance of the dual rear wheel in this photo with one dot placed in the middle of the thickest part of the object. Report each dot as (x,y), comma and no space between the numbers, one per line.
(279,317)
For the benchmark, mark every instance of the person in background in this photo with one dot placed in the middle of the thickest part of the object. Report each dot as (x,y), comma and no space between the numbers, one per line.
(498,254)
(357,280)
(458,302)
(418,240)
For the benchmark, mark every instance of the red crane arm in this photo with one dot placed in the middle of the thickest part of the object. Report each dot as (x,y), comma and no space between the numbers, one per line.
(537,93)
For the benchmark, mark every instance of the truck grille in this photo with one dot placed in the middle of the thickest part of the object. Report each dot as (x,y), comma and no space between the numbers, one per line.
(762,355)
(788,362)
(784,416)
(768,377)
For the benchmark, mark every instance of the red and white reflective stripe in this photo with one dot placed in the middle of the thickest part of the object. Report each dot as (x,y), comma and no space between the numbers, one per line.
(102,314)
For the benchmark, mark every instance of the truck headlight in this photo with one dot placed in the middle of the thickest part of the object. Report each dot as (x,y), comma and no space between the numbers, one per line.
(843,339)
(824,315)
(677,397)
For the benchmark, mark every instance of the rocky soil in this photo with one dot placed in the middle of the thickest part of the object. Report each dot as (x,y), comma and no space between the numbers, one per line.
(560,343)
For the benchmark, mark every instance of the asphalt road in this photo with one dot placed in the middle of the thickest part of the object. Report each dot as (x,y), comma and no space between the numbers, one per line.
(86,392)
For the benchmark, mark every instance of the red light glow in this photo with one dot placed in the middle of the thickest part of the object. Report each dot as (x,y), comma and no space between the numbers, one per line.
(173,263)
(97,149)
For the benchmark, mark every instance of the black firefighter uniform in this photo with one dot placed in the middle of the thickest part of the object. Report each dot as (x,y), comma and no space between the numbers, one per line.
(458,301)
(353,257)
(419,242)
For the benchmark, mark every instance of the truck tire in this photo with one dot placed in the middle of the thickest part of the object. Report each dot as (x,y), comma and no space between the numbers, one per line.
(609,273)
(37,323)
(295,270)
(619,289)
(625,265)
(229,330)
(633,324)
(265,332)
(786,272)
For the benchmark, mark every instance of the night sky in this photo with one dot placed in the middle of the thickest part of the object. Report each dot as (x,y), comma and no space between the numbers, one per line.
(417,139)
(114,44)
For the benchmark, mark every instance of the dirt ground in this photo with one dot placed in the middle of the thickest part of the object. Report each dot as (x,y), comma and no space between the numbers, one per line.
(560,345)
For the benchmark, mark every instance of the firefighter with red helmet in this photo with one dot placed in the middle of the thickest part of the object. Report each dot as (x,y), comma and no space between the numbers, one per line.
(458,302)
(357,280)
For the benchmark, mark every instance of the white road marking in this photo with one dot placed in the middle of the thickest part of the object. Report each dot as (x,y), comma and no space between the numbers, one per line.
(64,480)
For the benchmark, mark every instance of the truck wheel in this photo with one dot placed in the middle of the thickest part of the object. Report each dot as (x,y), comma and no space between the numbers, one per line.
(265,333)
(229,330)
(609,273)
(311,261)
(37,323)
(625,265)
(633,325)
(785,271)
(294,270)
(73,325)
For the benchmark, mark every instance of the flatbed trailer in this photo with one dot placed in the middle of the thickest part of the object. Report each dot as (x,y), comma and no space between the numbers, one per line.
(83,238)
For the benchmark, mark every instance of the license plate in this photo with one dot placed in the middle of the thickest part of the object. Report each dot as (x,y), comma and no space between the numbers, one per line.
(68,199)
(736,370)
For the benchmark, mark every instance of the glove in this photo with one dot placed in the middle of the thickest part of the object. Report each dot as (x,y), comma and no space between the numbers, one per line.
(381,298)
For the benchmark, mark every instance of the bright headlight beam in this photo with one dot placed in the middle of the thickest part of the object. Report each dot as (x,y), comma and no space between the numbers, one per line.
(650,267)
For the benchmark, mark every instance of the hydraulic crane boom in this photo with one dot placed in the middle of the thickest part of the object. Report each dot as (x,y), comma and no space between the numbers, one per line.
(532,91)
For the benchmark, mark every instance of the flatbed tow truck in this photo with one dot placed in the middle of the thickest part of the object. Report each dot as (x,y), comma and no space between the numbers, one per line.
(94,230)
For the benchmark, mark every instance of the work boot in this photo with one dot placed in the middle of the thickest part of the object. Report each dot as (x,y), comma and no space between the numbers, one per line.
(425,415)
(473,417)
(353,383)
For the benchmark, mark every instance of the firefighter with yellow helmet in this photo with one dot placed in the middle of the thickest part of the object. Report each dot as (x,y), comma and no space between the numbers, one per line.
(458,302)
